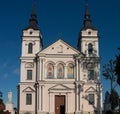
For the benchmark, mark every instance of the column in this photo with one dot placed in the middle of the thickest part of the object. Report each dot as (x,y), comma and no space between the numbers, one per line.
(77,70)
(39,98)
(36,97)
(81,103)
(40,70)
(55,72)
(43,69)
(79,87)
(76,99)
(66,72)
(42,98)
(67,102)
(51,105)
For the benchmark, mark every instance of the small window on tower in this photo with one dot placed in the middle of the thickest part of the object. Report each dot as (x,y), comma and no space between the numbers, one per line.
(89,32)
(90,48)
(91,74)
(31,32)
(91,99)
(30,48)
(29,74)
(28,99)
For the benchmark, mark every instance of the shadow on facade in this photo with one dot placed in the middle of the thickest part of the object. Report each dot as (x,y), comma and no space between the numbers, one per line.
(27,113)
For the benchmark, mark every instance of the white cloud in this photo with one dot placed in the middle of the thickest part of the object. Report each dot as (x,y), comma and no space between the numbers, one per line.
(5,76)
(16,71)
(4,65)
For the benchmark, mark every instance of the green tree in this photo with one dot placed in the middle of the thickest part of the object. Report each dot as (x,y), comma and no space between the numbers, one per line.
(1,111)
(114,99)
(117,69)
(2,106)
(109,73)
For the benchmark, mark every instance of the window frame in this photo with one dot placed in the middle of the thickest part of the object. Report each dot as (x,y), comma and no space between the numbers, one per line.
(60,70)
(70,76)
(28,99)
(52,71)
(90,48)
(29,74)
(91,74)
(91,99)
(30,48)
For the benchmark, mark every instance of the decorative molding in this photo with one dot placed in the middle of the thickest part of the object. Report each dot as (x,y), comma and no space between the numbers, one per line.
(60,87)
(28,89)
(90,89)
(29,65)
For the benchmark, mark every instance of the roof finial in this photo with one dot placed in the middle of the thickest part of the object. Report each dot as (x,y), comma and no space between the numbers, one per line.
(33,20)
(87,21)
(34,8)
(86,2)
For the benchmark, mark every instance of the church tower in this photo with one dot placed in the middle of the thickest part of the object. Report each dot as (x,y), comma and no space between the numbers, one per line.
(88,41)
(32,37)
(88,44)
(31,45)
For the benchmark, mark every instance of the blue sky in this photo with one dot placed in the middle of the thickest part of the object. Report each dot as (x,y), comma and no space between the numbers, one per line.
(54,17)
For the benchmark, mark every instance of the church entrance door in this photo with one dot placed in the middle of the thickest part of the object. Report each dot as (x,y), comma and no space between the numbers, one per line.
(59,104)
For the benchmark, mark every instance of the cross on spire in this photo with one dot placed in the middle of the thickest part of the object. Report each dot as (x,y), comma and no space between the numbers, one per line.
(34,8)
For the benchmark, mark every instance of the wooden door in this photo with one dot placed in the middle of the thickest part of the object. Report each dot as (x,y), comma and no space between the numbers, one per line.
(59,104)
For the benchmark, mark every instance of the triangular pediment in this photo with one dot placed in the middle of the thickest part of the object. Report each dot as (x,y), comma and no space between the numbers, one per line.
(28,89)
(90,89)
(59,87)
(59,47)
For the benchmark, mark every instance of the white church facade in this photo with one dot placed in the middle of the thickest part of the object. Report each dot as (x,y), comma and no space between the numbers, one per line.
(60,79)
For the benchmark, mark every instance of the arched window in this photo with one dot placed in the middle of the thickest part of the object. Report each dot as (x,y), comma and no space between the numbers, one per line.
(91,74)
(30,48)
(70,71)
(90,48)
(50,71)
(60,71)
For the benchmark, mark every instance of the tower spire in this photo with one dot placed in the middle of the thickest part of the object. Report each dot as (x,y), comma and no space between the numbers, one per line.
(33,20)
(87,21)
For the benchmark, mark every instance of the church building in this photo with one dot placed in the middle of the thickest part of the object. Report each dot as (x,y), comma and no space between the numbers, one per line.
(60,79)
